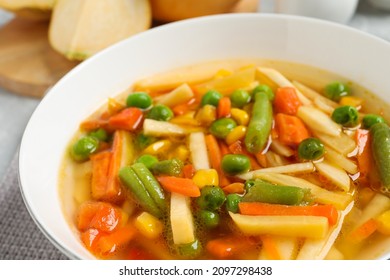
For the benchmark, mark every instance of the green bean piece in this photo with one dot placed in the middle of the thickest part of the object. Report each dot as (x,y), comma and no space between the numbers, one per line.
(336,90)
(268,193)
(84,147)
(248,184)
(265,89)
(160,112)
(100,134)
(148,160)
(260,125)
(171,167)
(240,98)
(380,144)
(371,119)
(130,180)
(211,198)
(235,164)
(140,100)
(190,250)
(222,127)
(232,201)
(311,149)
(209,218)
(152,186)
(346,116)
(211,97)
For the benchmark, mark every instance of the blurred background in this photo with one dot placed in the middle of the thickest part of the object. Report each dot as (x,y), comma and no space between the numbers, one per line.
(41,40)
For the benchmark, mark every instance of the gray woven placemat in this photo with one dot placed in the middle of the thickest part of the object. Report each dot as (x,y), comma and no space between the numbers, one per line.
(20,238)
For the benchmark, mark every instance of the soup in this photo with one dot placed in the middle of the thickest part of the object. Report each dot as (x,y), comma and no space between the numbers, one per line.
(233,160)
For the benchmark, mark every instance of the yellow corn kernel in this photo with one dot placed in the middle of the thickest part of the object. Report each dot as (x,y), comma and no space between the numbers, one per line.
(222,73)
(240,116)
(383,222)
(181,153)
(206,115)
(148,225)
(158,147)
(236,134)
(351,101)
(206,177)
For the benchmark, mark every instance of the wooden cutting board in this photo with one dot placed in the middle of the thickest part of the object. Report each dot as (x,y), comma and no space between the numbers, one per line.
(29,66)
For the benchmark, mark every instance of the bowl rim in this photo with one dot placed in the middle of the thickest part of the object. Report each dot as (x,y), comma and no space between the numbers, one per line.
(188,22)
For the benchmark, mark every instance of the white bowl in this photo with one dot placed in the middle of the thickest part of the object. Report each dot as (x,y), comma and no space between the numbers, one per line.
(339,49)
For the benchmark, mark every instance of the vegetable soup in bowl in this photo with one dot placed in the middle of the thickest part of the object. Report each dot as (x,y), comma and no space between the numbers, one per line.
(223,137)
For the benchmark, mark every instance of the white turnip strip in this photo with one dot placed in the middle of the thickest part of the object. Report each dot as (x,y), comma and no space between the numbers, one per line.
(177,96)
(304,167)
(198,151)
(340,160)
(161,128)
(317,120)
(335,174)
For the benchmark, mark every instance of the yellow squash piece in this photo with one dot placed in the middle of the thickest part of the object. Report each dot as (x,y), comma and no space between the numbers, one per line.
(81,28)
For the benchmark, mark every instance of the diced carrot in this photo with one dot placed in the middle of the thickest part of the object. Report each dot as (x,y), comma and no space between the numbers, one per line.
(100,165)
(109,244)
(291,129)
(99,215)
(114,192)
(90,237)
(266,209)
(364,231)
(215,157)
(223,108)
(236,147)
(224,148)
(183,108)
(128,119)
(234,188)
(183,186)
(188,171)
(261,159)
(364,155)
(137,253)
(93,124)
(227,247)
(286,101)
(270,247)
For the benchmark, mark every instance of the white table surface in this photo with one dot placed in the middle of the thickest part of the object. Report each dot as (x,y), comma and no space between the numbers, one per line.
(15,111)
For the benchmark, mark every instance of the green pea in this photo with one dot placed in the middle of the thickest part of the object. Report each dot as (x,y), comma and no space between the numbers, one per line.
(211,97)
(232,201)
(240,98)
(235,164)
(139,99)
(311,149)
(171,167)
(100,134)
(84,147)
(209,218)
(266,89)
(371,119)
(148,160)
(346,116)
(160,113)
(336,90)
(211,198)
(222,127)
(190,250)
